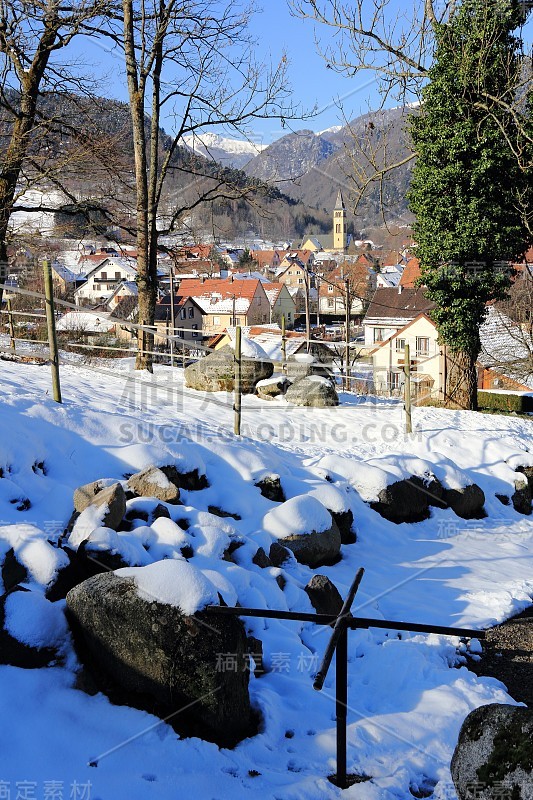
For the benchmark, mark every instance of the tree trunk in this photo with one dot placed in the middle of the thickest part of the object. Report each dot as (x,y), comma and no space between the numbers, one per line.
(461,380)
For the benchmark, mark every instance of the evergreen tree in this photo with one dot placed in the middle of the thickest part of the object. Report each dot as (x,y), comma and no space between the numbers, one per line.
(468,184)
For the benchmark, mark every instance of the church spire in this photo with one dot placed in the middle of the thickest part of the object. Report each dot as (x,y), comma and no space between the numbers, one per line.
(339,205)
(340,239)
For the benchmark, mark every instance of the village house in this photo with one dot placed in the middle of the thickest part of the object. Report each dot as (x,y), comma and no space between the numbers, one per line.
(390,310)
(122,290)
(426,359)
(267,260)
(226,302)
(64,281)
(281,303)
(332,289)
(188,320)
(103,279)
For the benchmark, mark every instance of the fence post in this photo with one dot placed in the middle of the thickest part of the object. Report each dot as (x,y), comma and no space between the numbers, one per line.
(347,324)
(11,327)
(407,389)
(172,316)
(51,324)
(237,386)
(283,344)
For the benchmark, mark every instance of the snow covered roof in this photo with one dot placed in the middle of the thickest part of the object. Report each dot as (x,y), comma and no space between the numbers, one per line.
(85,322)
(506,348)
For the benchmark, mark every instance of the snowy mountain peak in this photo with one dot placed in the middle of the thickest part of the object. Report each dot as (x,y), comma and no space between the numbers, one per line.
(333,129)
(208,141)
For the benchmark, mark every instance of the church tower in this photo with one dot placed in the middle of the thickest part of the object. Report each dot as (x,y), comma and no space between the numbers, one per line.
(339,224)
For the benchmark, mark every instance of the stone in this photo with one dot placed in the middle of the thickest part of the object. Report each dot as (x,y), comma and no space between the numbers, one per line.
(313,391)
(261,559)
(152,482)
(84,495)
(270,487)
(403,501)
(315,549)
(494,753)
(272,387)
(192,481)
(521,498)
(324,595)
(160,511)
(219,512)
(216,372)
(528,472)
(466,502)
(302,365)
(82,564)
(112,496)
(278,554)
(150,655)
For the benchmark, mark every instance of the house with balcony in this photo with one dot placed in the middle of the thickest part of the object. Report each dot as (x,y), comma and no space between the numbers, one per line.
(226,302)
(102,280)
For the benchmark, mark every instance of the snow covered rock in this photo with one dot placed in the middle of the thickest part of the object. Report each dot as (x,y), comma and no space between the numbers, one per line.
(324,595)
(301,365)
(110,500)
(306,527)
(215,372)
(404,501)
(84,495)
(521,497)
(31,629)
(313,391)
(270,487)
(272,387)
(467,502)
(152,482)
(136,633)
(494,754)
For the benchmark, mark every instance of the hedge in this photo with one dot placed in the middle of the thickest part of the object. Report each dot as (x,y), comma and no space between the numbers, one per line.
(493,401)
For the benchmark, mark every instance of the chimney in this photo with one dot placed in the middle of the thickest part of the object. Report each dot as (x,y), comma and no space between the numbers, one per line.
(400,287)
(231,278)
(202,279)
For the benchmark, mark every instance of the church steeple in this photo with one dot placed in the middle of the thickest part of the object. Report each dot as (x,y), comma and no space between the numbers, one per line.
(339,224)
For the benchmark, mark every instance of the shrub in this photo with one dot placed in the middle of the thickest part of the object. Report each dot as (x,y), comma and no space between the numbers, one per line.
(493,401)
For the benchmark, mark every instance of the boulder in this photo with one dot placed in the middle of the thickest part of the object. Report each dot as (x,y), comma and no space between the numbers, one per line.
(302,365)
(191,481)
(494,754)
(261,559)
(13,572)
(272,387)
(152,482)
(528,473)
(467,502)
(84,495)
(113,497)
(82,563)
(403,501)
(314,391)
(324,595)
(521,498)
(216,372)
(278,554)
(270,487)
(150,654)
(315,549)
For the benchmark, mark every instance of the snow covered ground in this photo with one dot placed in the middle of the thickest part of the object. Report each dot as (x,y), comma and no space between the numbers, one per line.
(407,696)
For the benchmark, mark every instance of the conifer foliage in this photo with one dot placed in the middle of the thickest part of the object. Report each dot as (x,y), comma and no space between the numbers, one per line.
(469,186)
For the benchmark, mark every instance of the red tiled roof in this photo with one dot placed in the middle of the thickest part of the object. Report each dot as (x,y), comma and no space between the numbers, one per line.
(411,273)
(194,287)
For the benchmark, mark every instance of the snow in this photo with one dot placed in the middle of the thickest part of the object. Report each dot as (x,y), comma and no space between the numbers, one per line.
(249,347)
(297,516)
(407,697)
(173,583)
(206,141)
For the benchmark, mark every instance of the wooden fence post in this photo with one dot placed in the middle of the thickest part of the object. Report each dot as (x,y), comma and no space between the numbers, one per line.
(237,382)
(11,327)
(407,389)
(283,344)
(51,324)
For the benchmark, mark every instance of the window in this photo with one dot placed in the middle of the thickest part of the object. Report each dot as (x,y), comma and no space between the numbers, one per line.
(191,313)
(195,331)
(330,289)
(337,228)
(300,280)
(395,380)
(183,313)
(330,302)
(103,276)
(216,320)
(379,334)
(97,287)
(422,345)
(117,276)
(289,315)
(400,345)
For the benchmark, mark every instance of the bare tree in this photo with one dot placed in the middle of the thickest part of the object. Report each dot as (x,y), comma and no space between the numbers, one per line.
(192,62)
(398,46)
(32,35)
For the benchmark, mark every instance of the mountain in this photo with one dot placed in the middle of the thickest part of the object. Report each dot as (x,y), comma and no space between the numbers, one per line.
(229,152)
(312,167)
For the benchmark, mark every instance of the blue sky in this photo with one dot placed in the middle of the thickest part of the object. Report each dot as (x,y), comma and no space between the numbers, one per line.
(277,32)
